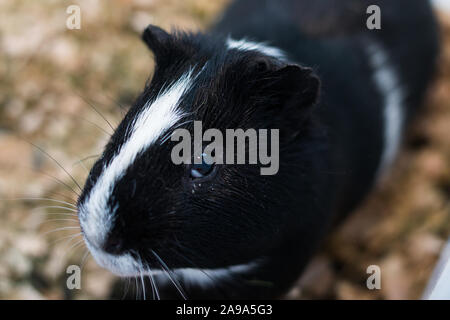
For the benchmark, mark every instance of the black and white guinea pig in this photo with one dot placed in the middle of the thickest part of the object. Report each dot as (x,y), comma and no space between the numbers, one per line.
(340,95)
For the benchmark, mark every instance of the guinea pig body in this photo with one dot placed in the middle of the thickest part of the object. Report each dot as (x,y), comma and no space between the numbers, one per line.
(228,231)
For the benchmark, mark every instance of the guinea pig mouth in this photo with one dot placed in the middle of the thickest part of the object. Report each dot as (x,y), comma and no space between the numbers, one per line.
(126,265)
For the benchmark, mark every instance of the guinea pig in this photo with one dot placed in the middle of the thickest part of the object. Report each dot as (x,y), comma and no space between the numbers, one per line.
(340,96)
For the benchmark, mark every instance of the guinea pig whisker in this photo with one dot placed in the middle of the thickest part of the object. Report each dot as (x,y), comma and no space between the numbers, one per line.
(143,284)
(81,161)
(109,134)
(137,287)
(153,284)
(62,214)
(84,167)
(153,288)
(40,199)
(169,273)
(72,220)
(84,259)
(72,236)
(48,175)
(86,158)
(60,229)
(127,288)
(70,240)
(123,109)
(95,109)
(57,163)
(60,182)
(55,207)
(140,267)
(190,261)
(167,136)
(69,199)
(72,249)
(74,246)
(90,122)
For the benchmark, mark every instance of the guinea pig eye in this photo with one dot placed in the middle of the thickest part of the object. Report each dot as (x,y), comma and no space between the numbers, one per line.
(203,169)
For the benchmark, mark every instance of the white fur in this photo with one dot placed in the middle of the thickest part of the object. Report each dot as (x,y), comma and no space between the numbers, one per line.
(205,277)
(443,5)
(388,84)
(127,266)
(246,45)
(122,265)
(96,217)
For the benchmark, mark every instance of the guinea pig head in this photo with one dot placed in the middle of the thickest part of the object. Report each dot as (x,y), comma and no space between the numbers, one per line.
(139,211)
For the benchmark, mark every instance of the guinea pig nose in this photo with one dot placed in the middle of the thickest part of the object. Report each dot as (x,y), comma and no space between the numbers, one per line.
(114,245)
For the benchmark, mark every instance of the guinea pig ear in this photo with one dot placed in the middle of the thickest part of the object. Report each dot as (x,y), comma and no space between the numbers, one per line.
(288,94)
(156,39)
(295,86)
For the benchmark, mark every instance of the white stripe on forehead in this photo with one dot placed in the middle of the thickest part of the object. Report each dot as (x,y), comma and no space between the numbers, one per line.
(246,45)
(150,124)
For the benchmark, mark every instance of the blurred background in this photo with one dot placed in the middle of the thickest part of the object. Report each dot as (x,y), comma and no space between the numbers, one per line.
(59,88)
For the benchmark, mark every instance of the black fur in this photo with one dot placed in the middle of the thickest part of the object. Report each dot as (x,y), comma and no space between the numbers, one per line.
(330,139)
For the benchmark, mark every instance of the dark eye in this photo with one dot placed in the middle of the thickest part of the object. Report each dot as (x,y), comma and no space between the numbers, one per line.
(203,169)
